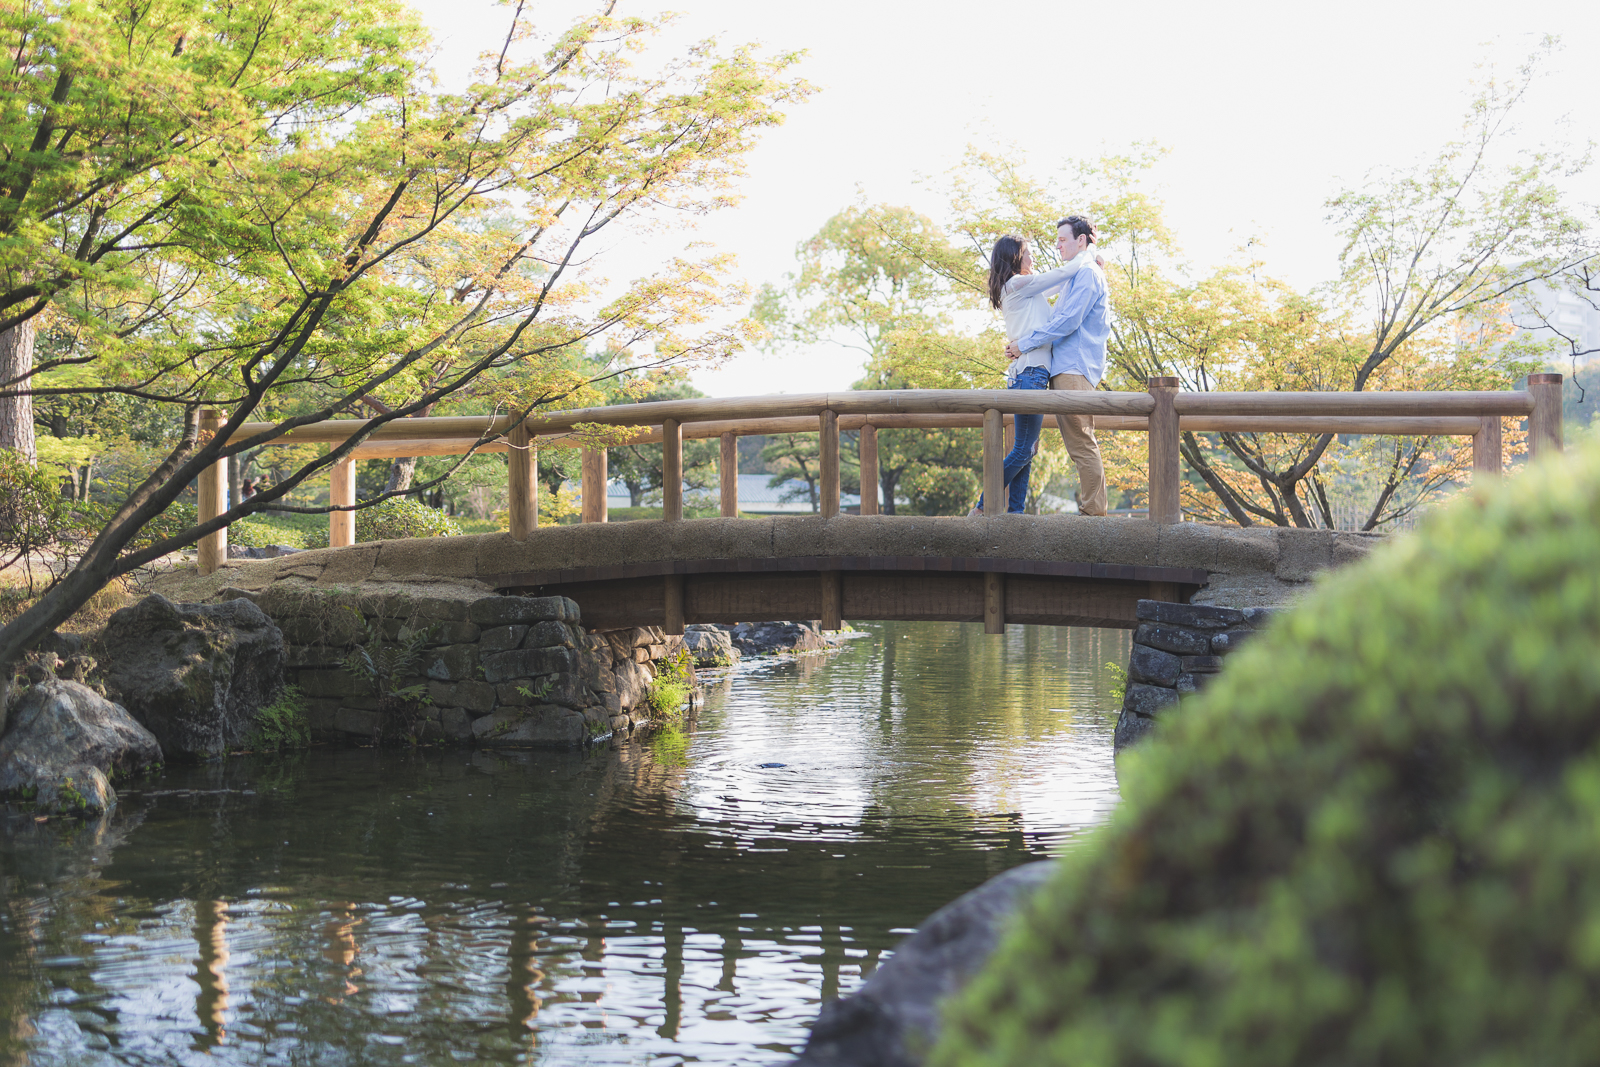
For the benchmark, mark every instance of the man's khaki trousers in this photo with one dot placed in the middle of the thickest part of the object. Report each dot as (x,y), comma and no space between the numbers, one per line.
(1078,433)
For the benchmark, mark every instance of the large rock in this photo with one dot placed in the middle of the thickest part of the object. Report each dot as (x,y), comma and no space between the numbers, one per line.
(894,1018)
(64,742)
(766,638)
(710,645)
(194,674)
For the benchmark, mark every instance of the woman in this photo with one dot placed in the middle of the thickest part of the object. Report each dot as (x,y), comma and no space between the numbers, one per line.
(1023,299)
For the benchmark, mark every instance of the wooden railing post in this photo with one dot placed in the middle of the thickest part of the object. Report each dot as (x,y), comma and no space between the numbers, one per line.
(1544,426)
(1165,503)
(729,472)
(522,487)
(1486,455)
(994,462)
(342,493)
(671,470)
(213,548)
(829,462)
(869,469)
(594,485)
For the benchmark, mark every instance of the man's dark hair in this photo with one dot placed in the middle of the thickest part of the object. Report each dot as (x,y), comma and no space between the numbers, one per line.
(1081,227)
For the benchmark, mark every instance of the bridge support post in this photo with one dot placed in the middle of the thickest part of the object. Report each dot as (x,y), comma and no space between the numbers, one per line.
(1544,427)
(342,494)
(1486,454)
(869,469)
(1165,467)
(994,600)
(832,600)
(213,548)
(672,599)
(994,463)
(671,470)
(594,485)
(828,427)
(522,487)
(729,471)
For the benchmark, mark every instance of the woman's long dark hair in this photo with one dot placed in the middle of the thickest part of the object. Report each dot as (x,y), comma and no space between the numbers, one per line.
(1005,263)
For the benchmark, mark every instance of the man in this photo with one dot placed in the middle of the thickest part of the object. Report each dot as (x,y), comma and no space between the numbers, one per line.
(1077,331)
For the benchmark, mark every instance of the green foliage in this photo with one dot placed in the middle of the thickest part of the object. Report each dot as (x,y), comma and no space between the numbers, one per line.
(638,466)
(273,207)
(70,797)
(281,724)
(34,518)
(670,689)
(395,518)
(1372,840)
(264,531)
(537,693)
(1119,683)
(386,663)
(670,747)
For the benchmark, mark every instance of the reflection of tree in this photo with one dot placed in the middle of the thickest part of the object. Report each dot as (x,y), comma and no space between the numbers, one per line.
(962,705)
(455,898)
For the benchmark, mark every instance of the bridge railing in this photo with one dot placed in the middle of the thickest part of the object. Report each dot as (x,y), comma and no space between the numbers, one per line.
(1162,411)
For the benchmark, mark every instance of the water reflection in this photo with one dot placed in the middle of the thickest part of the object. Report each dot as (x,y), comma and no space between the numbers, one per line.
(661,903)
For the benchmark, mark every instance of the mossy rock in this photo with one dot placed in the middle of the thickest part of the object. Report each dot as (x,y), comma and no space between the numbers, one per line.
(1375,840)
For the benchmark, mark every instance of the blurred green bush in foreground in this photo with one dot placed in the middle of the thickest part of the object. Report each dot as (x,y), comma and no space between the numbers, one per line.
(1376,840)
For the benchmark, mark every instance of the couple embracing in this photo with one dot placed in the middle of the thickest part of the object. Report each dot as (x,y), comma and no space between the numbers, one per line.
(1063,347)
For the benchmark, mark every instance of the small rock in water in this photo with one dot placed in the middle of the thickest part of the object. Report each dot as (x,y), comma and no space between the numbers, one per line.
(772,765)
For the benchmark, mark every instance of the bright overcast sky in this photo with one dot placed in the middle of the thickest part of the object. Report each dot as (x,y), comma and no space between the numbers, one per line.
(1267,109)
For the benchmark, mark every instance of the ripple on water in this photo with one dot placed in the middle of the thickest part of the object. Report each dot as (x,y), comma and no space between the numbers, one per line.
(688,899)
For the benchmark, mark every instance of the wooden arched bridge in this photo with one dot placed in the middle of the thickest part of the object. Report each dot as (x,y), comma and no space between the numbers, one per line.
(1067,570)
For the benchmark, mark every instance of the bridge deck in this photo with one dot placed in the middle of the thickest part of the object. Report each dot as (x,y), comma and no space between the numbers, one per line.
(1053,569)
(937,588)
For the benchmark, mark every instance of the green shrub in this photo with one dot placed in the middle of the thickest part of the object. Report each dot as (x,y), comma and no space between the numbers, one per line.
(674,680)
(396,518)
(1375,840)
(281,724)
(261,533)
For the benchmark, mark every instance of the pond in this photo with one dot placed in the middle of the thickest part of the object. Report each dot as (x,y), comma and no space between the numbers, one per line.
(690,899)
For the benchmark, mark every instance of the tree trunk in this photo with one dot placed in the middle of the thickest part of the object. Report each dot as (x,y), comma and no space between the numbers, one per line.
(400,472)
(888,479)
(16,412)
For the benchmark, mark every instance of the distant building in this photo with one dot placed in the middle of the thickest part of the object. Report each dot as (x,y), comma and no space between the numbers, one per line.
(755,496)
(1567,313)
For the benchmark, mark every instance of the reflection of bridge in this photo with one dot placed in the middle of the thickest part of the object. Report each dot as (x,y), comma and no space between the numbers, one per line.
(1009,568)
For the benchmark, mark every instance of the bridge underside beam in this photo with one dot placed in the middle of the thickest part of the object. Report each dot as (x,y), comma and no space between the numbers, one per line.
(868,593)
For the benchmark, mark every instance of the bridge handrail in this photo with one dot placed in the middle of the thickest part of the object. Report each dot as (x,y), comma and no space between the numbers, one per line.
(1162,411)
(873,406)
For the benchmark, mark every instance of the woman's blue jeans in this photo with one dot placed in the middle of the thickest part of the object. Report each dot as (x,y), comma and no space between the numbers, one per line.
(1019,461)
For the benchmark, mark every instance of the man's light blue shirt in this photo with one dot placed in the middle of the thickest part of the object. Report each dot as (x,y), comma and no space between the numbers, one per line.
(1078,326)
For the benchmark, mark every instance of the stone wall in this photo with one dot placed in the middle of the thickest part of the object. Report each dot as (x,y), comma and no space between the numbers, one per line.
(1176,650)
(498,670)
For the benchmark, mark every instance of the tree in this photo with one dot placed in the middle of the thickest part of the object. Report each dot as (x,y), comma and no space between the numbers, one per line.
(1435,260)
(864,282)
(638,466)
(794,457)
(125,131)
(384,241)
